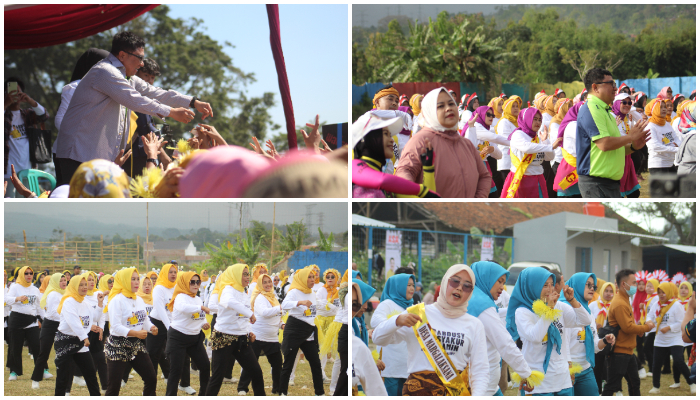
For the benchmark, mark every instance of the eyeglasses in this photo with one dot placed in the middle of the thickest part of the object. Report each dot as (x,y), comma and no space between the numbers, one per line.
(591,286)
(246,274)
(610,82)
(490,115)
(28,273)
(137,56)
(330,276)
(356,306)
(111,281)
(466,286)
(195,282)
(627,103)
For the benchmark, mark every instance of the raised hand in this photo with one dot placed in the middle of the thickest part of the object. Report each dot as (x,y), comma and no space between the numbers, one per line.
(180,114)
(272,152)
(152,144)
(211,134)
(472,121)
(544,133)
(313,139)
(121,157)
(170,184)
(204,108)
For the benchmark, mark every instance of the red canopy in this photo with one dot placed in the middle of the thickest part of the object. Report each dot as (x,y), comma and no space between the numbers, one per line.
(42,25)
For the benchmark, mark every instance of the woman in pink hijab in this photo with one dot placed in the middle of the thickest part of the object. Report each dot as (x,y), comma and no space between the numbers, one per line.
(666,93)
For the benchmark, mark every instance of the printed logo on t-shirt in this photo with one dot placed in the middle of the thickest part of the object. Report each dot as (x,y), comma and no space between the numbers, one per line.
(149,308)
(451,341)
(198,316)
(85,320)
(546,337)
(581,336)
(336,302)
(538,158)
(310,312)
(17,131)
(137,318)
(667,137)
(30,300)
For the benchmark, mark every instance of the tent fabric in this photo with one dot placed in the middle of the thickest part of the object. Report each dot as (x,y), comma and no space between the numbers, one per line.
(42,25)
(273,17)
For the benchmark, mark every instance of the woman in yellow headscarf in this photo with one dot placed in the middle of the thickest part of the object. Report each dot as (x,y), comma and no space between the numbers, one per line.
(72,342)
(415,104)
(267,311)
(327,304)
(668,314)
(160,316)
(506,125)
(600,307)
(301,303)
(258,269)
(23,322)
(185,335)
(126,346)
(317,273)
(55,285)
(663,143)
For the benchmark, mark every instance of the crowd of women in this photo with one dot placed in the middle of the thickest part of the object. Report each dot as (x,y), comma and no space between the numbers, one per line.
(414,147)
(102,327)
(556,336)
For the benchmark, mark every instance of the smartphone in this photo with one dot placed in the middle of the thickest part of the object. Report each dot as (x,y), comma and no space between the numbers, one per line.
(11,87)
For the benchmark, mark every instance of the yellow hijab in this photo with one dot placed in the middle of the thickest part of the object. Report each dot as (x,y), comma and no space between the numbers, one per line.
(668,114)
(317,271)
(332,290)
(44,284)
(147,298)
(20,277)
(104,286)
(561,108)
(233,276)
(257,268)
(54,286)
(690,291)
(494,105)
(654,283)
(549,106)
(415,103)
(671,292)
(539,101)
(300,278)
(94,278)
(602,304)
(508,110)
(163,277)
(122,284)
(182,285)
(344,279)
(72,291)
(653,111)
(269,295)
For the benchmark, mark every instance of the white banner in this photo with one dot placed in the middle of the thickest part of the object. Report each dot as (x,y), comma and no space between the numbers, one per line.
(393,253)
(487,249)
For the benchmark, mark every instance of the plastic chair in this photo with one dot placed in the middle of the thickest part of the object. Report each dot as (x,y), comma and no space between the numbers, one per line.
(36,180)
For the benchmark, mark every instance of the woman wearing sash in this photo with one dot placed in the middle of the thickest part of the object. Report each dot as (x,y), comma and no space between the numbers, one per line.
(506,125)
(365,375)
(268,313)
(130,325)
(566,179)
(327,304)
(479,128)
(527,152)
(685,292)
(599,311)
(160,317)
(71,341)
(584,344)
(23,323)
(533,318)
(396,298)
(459,365)
(668,313)
(185,336)
(300,333)
(490,282)
(629,186)
(561,108)
(49,302)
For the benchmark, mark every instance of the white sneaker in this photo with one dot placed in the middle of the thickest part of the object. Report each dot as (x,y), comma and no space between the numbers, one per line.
(162,376)
(187,390)
(79,381)
(123,383)
(131,376)
(68,394)
(675,385)
(291,383)
(13,377)
(692,388)
(642,373)
(31,356)
(47,375)
(35,385)
(283,395)
(227,380)
(326,380)
(619,393)
(166,381)
(103,391)
(242,393)
(654,391)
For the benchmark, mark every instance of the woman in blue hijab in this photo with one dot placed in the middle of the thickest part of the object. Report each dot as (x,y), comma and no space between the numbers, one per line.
(583,341)
(490,281)
(539,320)
(396,297)
(358,321)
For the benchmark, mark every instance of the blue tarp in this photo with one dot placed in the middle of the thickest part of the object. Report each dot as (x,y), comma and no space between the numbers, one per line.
(683,85)
(516,89)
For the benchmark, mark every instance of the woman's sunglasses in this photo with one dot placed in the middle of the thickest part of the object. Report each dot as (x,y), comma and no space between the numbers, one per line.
(627,103)
(591,286)
(330,276)
(111,281)
(195,282)
(467,287)
(28,273)
(490,115)
(356,306)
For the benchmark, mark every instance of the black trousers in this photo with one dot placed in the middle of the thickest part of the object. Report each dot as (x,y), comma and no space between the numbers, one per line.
(180,345)
(241,351)
(641,356)
(48,331)
(679,366)
(14,359)
(68,168)
(64,373)
(274,357)
(155,344)
(97,351)
(622,366)
(600,371)
(228,373)
(310,350)
(141,364)
(649,354)
(549,179)
(341,387)
(663,171)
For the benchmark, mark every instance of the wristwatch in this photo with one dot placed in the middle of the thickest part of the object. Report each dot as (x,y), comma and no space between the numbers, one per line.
(194,98)
(153,160)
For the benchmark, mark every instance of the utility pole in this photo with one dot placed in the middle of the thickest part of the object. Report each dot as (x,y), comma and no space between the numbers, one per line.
(308,216)
(320,220)
(272,242)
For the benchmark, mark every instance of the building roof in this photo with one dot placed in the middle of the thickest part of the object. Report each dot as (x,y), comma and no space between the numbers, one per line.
(364,221)
(613,232)
(677,247)
(172,245)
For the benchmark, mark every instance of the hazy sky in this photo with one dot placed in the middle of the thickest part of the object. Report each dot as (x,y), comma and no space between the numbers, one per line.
(315,46)
(190,215)
(367,15)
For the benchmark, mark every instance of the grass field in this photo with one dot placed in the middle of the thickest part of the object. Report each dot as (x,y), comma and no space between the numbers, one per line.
(644,190)
(23,386)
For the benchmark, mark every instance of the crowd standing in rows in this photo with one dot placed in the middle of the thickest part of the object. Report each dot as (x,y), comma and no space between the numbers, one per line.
(558,337)
(594,145)
(103,327)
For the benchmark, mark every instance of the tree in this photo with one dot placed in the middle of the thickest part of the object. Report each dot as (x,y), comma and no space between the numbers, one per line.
(324,244)
(294,239)
(190,62)
(680,217)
